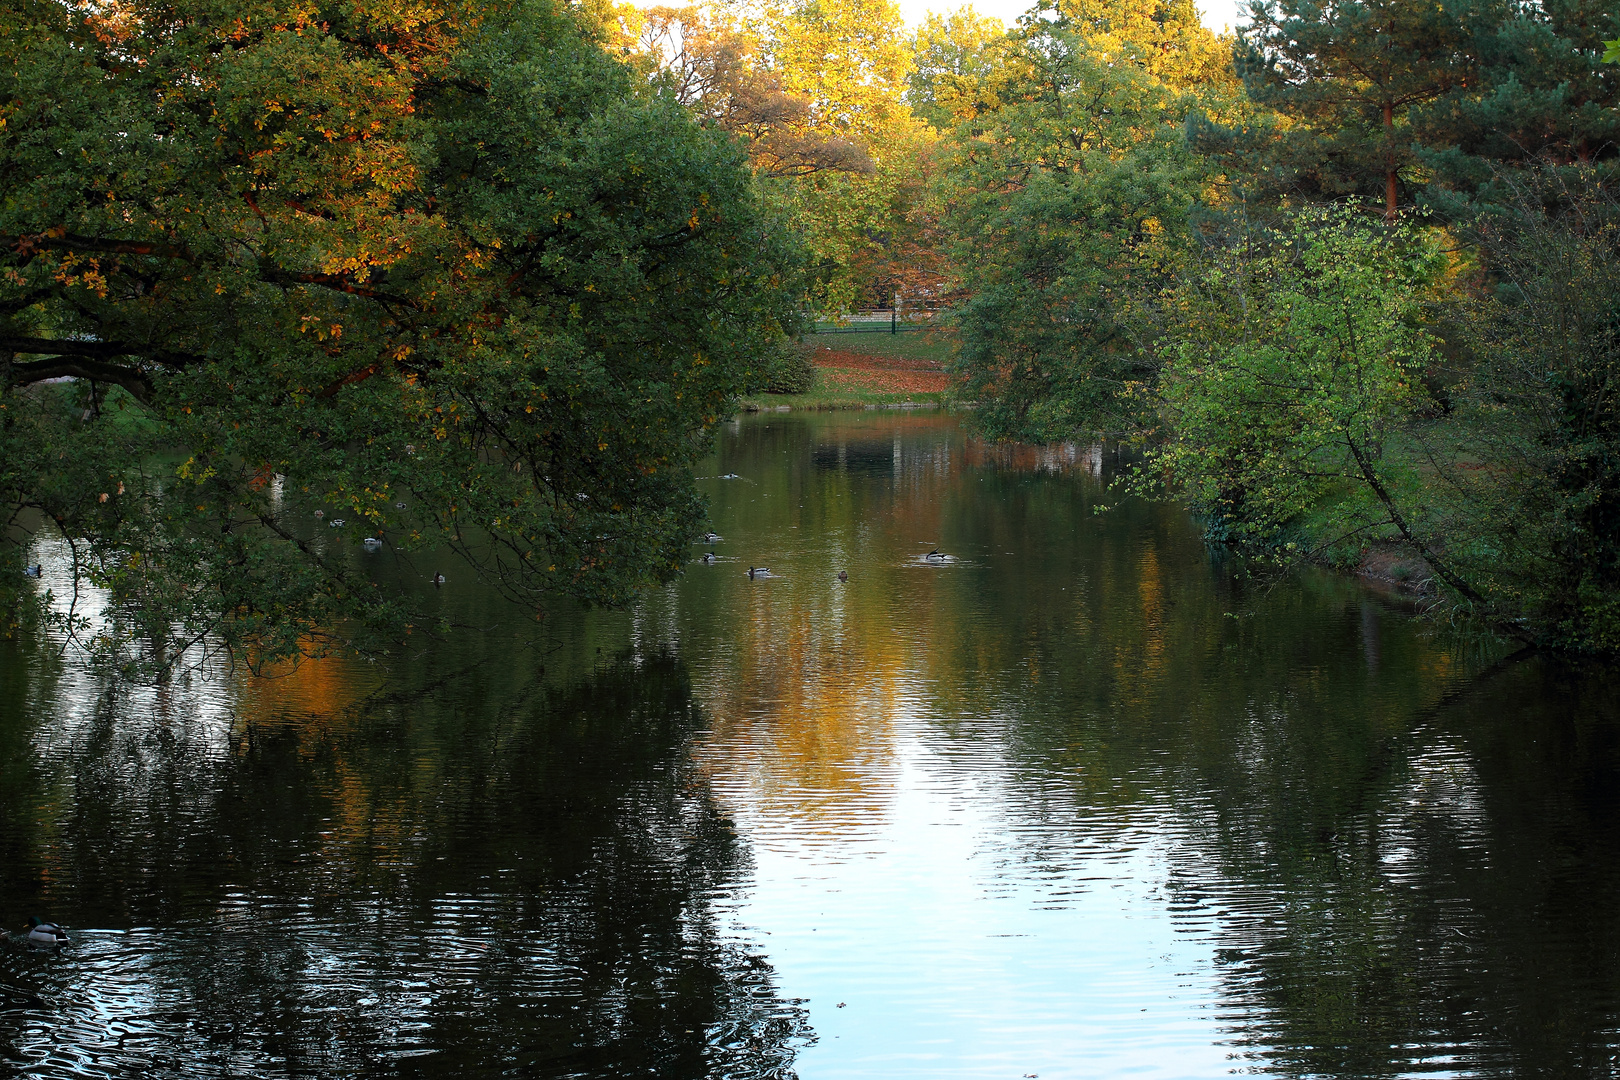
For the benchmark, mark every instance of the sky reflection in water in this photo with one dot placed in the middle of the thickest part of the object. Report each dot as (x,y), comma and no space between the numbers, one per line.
(1083,800)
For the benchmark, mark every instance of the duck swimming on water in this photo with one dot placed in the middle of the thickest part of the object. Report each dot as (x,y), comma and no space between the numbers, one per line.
(710,557)
(44,933)
(843,575)
(936,555)
(759,571)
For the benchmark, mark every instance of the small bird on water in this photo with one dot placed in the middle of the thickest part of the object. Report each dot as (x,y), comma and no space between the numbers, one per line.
(438,579)
(710,557)
(936,555)
(711,538)
(759,571)
(44,933)
(843,575)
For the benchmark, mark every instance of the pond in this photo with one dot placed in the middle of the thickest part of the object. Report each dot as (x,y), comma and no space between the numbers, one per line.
(1076,797)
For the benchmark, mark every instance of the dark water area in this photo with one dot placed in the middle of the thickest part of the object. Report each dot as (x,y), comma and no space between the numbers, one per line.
(1080,799)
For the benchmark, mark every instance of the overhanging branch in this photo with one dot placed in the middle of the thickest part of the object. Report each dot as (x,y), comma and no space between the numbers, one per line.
(80,367)
(53,240)
(67,346)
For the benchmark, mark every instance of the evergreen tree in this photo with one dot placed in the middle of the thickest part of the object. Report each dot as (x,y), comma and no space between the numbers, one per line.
(1350,73)
(1542,96)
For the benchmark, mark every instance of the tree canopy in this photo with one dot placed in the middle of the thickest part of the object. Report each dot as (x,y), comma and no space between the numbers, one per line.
(446,273)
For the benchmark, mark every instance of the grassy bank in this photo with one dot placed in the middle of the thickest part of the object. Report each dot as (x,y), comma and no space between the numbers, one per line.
(929,346)
(867,370)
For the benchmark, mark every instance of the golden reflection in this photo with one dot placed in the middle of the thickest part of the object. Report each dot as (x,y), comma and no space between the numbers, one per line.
(806,720)
(805,712)
(370,825)
(324,686)
(1140,660)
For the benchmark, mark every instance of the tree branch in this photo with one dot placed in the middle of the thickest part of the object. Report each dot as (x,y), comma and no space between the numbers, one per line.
(1441,571)
(332,281)
(67,346)
(76,367)
(30,242)
(359,375)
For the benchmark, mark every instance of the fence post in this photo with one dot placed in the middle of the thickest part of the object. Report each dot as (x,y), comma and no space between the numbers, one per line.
(894,314)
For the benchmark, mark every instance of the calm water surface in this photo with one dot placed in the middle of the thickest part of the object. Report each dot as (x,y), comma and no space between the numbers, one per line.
(1080,800)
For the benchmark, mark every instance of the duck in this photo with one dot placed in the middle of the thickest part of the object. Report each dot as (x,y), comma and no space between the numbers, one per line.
(843,575)
(710,557)
(34,571)
(44,933)
(936,554)
(759,571)
(438,579)
(712,538)
(320,513)
(336,523)
(372,543)
(399,506)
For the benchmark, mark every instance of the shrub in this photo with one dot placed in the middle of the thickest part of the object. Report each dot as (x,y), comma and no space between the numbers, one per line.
(791,371)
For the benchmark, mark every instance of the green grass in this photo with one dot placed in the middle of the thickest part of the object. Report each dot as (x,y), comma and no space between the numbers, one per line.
(913,345)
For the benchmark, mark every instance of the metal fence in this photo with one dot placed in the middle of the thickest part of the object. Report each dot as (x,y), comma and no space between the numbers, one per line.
(881,321)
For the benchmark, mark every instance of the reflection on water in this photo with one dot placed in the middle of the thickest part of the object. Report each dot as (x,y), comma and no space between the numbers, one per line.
(450,886)
(1079,800)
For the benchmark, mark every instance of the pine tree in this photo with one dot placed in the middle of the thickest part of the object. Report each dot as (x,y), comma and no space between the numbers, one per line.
(1351,73)
(1543,96)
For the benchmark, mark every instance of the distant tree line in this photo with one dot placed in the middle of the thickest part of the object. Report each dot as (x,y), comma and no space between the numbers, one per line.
(1347,277)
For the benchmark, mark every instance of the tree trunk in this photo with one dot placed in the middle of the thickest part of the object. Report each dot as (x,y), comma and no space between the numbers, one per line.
(1389,162)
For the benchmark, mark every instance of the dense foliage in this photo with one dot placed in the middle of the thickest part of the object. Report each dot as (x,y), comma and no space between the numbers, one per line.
(445,274)
(485,275)
(1068,201)
(1345,285)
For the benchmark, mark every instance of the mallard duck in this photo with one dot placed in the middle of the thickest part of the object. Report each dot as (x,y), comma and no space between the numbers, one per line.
(712,538)
(372,543)
(843,575)
(710,557)
(438,579)
(759,571)
(336,523)
(936,555)
(44,933)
